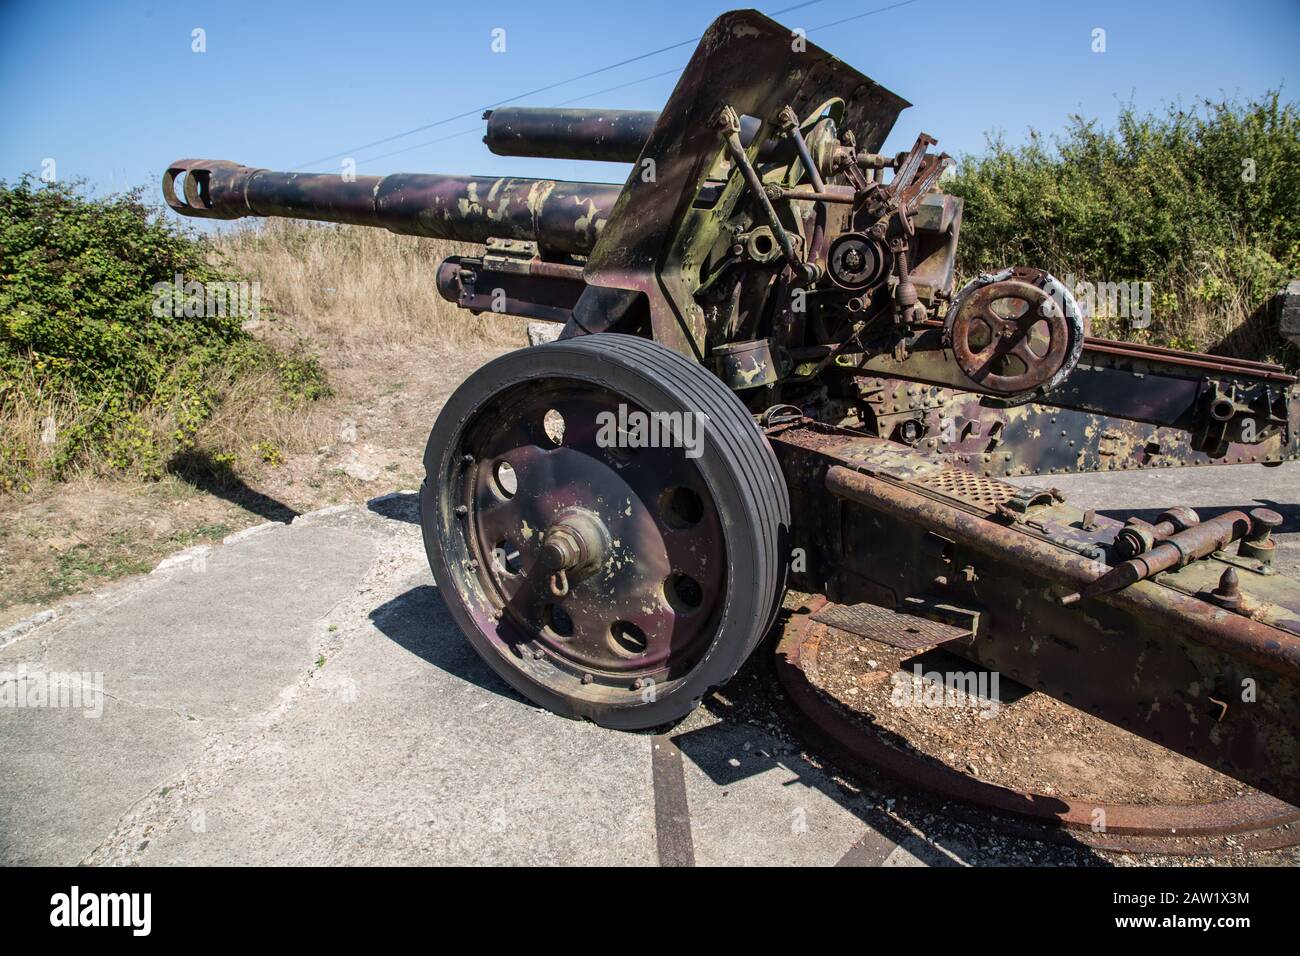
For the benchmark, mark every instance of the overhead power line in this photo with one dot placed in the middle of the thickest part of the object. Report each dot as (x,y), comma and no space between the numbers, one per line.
(573,79)
(520,96)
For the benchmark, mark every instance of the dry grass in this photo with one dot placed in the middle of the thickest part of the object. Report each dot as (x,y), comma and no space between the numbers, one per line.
(30,418)
(357,287)
(1208,308)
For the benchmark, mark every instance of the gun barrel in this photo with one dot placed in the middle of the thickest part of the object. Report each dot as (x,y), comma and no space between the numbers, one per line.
(564,217)
(614,136)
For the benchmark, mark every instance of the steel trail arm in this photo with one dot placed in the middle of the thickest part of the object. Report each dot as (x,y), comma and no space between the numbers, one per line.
(1123,407)
(1203,658)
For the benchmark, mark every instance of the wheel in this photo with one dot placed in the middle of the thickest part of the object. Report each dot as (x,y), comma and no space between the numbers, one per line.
(1016,334)
(607,525)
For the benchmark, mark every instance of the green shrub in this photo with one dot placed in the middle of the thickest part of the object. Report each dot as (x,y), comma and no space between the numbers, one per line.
(1202,203)
(95,343)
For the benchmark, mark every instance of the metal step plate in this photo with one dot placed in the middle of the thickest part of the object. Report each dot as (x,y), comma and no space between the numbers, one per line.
(906,631)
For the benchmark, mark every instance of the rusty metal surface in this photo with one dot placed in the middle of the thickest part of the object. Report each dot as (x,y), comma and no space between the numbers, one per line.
(985,493)
(1153,658)
(1046,438)
(1256,820)
(888,626)
(657,235)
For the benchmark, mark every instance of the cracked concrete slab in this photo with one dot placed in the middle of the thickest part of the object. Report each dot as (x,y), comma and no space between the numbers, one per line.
(300,695)
(191,651)
(66,779)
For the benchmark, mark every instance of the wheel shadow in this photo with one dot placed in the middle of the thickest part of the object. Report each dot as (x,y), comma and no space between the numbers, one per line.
(418,621)
(398,506)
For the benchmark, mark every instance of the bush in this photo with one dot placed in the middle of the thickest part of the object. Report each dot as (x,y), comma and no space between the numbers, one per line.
(98,368)
(1201,203)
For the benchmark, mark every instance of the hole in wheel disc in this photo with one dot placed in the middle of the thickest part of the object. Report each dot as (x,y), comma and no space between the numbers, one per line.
(553,426)
(683,592)
(681,507)
(504,479)
(507,556)
(557,622)
(626,638)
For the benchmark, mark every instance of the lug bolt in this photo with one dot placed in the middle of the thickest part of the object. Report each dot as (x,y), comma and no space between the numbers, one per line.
(1228,593)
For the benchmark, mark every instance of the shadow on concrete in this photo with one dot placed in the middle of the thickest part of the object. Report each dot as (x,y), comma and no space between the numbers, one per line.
(398,506)
(718,750)
(202,471)
(1290,512)
(418,620)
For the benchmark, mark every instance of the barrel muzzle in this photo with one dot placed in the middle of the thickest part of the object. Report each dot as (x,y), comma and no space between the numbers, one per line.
(210,188)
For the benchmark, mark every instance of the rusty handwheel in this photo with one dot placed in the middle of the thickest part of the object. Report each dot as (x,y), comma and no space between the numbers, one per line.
(606,523)
(1016,334)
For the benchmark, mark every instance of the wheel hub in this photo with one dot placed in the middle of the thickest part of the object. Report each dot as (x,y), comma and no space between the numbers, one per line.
(574,545)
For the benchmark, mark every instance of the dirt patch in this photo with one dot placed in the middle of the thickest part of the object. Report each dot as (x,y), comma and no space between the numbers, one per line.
(1015,738)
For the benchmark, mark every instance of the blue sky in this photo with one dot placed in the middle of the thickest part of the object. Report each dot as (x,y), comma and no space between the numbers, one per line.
(113,91)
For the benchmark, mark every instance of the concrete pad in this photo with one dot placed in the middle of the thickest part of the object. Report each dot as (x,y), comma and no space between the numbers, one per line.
(219,637)
(66,779)
(183,655)
(406,748)
(301,695)
(755,801)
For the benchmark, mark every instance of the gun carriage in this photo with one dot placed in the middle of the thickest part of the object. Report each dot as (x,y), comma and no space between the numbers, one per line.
(768,273)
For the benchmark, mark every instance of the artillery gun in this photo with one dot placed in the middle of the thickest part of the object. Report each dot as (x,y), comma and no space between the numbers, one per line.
(767,376)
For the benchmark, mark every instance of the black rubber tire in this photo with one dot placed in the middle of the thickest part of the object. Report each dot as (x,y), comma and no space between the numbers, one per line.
(737,464)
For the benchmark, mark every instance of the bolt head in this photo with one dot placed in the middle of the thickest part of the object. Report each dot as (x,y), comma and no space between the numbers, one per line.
(1267,517)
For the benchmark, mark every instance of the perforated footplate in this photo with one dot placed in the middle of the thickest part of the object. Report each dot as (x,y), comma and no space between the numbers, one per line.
(985,493)
(906,631)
